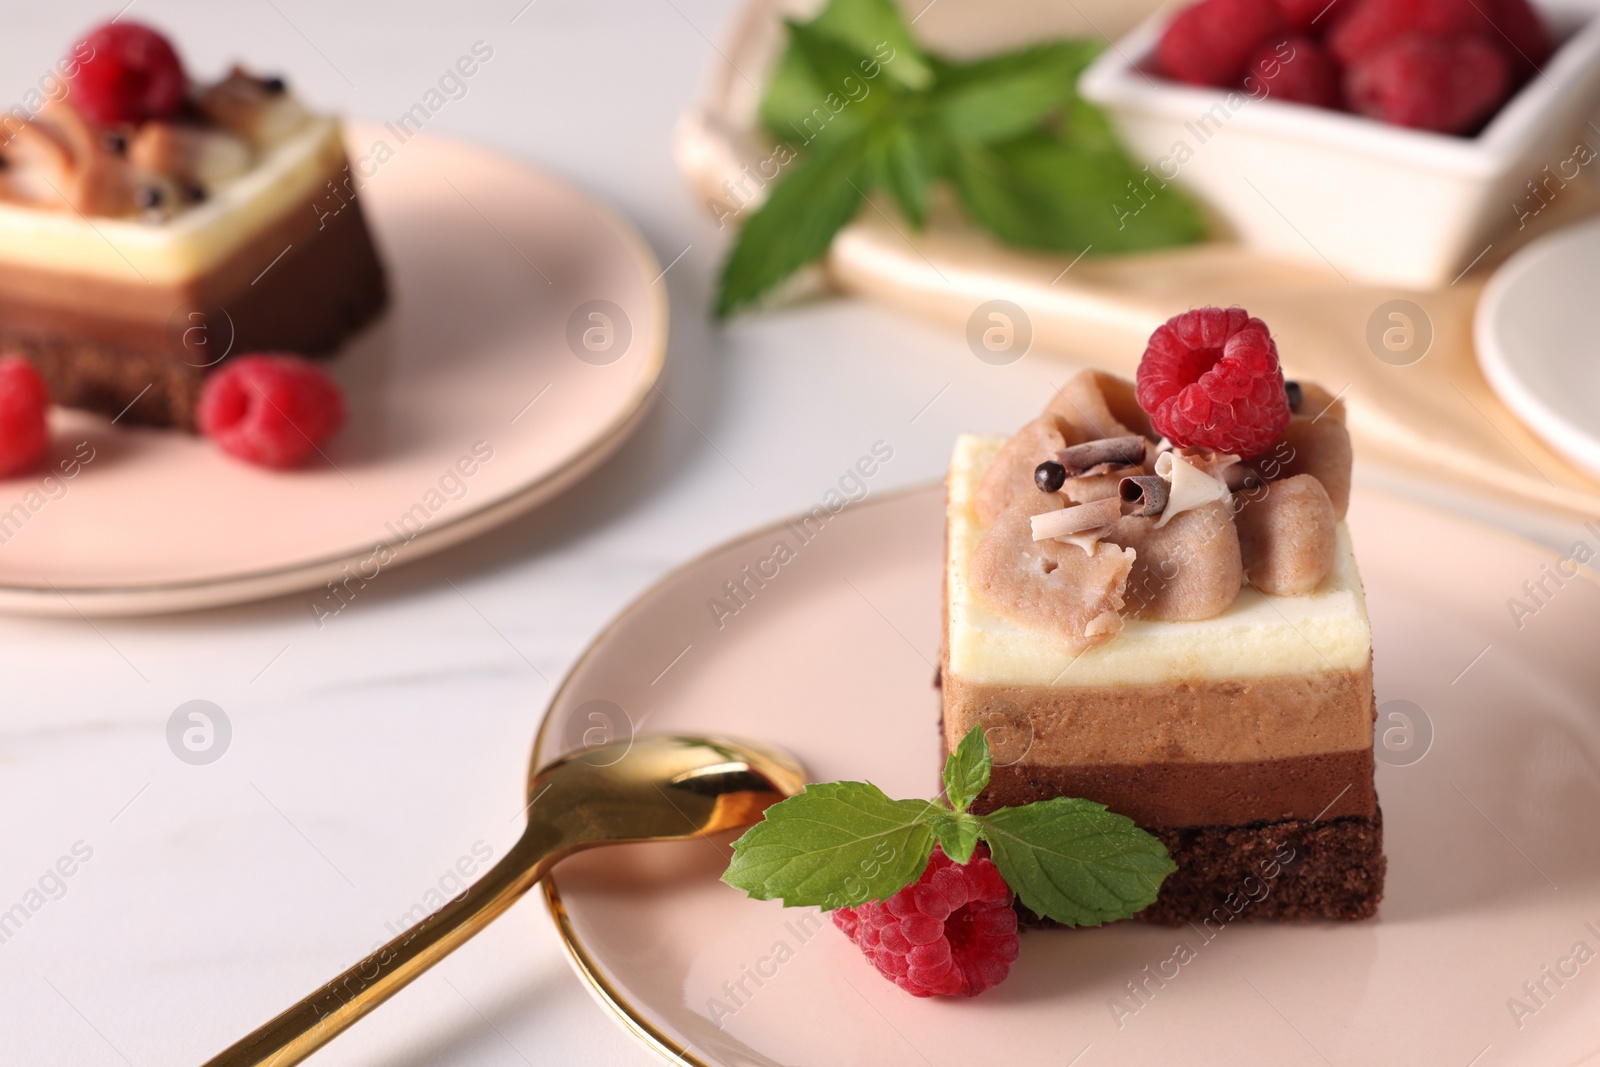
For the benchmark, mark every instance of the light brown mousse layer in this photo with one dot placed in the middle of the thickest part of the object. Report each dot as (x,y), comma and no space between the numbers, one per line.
(1185,754)
(1225,721)
(303,285)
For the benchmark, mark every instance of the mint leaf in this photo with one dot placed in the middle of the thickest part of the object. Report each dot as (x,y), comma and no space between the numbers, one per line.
(1075,862)
(883,56)
(836,844)
(828,59)
(966,770)
(1041,192)
(1072,54)
(797,223)
(876,28)
(1005,96)
(958,833)
(1084,126)
(901,166)
(1030,160)
(793,96)
(837,69)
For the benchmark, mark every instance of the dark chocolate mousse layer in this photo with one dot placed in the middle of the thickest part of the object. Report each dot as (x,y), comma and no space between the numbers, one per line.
(304,285)
(1174,793)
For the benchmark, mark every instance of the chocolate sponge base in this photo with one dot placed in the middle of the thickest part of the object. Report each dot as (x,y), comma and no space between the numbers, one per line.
(1279,871)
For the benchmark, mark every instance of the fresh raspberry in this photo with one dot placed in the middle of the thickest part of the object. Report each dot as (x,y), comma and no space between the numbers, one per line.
(1208,43)
(1524,37)
(1297,69)
(273,410)
(1445,86)
(132,74)
(1371,24)
(24,431)
(1210,379)
(950,933)
(1299,15)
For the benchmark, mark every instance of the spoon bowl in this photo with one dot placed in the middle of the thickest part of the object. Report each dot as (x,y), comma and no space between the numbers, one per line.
(658,788)
(652,788)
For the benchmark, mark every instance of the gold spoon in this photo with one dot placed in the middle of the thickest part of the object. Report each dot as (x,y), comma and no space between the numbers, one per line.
(647,789)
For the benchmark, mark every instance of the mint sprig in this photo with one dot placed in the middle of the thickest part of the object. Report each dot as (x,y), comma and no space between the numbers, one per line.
(967,770)
(866,109)
(847,844)
(798,221)
(1075,862)
(844,843)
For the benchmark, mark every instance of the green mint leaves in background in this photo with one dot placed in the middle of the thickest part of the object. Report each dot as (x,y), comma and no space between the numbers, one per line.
(863,109)
(844,843)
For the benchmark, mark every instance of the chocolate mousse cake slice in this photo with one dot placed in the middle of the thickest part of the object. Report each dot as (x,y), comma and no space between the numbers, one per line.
(1178,635)
(149,226)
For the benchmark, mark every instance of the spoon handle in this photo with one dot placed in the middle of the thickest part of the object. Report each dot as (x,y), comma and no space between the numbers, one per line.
(319,1018)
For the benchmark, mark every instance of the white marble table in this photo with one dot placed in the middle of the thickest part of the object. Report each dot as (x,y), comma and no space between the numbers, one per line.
(370,755)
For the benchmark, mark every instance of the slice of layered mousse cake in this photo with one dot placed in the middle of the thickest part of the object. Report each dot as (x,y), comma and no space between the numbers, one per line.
(1151,602)
(150,225)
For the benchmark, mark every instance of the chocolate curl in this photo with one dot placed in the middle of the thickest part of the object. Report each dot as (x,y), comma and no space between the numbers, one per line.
(1190,486)
(1075,520)
(1106,453)
(1144,494)
(1207,460)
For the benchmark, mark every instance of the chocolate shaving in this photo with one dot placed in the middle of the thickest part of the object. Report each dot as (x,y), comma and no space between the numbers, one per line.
(1068,521)
(1209,460)
(1188,486)
(1144,494)
(1105,453)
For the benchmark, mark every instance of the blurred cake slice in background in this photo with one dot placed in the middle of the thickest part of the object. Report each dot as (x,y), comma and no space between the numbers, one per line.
(150,225)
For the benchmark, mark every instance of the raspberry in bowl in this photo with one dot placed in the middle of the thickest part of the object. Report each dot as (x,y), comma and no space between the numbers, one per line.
(1390,140)
(1440,65)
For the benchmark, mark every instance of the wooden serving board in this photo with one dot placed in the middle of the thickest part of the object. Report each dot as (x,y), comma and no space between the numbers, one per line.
(1436,417)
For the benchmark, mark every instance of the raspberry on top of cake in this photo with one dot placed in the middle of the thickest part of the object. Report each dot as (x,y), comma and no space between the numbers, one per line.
(1151,602)
(132,139)
(1092,518)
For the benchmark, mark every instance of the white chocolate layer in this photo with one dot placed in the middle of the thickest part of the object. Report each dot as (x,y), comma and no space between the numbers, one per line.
(1259,636)
(290,177)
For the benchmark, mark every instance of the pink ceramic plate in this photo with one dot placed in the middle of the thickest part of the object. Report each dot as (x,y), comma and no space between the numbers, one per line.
(1490,745)
(522,344)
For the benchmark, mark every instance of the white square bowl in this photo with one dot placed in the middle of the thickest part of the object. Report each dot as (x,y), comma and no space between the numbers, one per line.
(1378,203)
